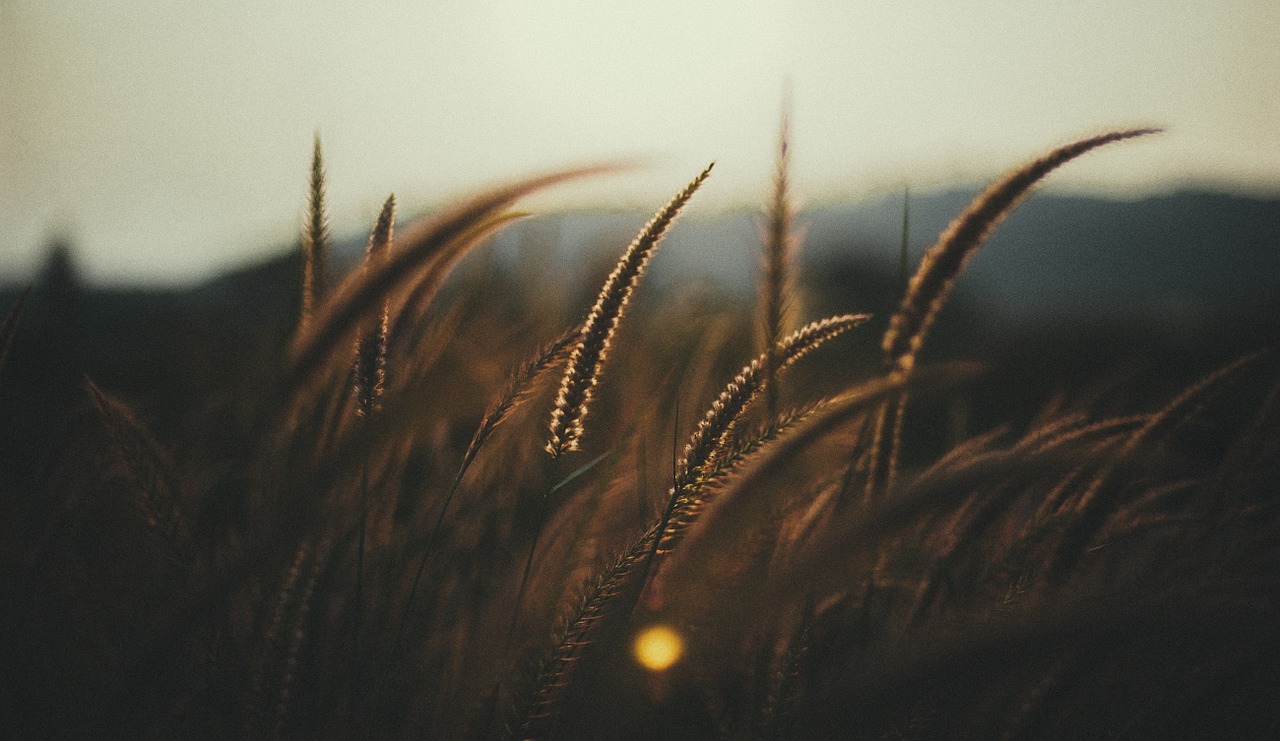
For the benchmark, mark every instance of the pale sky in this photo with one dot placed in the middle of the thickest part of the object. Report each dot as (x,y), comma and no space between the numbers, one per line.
(171,140)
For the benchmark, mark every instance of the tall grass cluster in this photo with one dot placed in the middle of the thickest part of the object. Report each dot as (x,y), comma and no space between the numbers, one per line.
(425,514)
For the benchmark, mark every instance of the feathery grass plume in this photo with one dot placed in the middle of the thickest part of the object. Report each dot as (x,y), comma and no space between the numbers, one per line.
(370,371)
(712,436)
(369,374)
(539,718)
(721,518)
(779,251)
(280,652)
(10,327)
(710,441)
(942,263)
(517,392)
(256,702)
(1090,508)
(710,453)
(744,448)
(886,429)
(298,636)
(361,294)
(585,363)
(928,289)
(315,238)
(882,457)
(149,469)
(411,309)
(785,648)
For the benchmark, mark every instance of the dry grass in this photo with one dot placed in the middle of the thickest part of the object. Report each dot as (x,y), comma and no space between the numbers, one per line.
(587,359)
(357,559)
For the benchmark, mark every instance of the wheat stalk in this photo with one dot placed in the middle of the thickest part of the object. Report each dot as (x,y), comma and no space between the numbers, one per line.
(587,360)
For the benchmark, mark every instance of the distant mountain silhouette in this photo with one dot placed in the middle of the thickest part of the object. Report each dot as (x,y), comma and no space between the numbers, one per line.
(1184,256)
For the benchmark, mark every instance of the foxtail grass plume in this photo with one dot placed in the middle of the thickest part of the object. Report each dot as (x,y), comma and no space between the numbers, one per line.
(779,249)
(585,363)
(371,347)
(360,295)
(711,441)
(927,291)
(716,427)
(315,238)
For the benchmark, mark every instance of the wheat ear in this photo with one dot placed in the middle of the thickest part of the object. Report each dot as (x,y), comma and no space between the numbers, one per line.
(315,238)
(585,363)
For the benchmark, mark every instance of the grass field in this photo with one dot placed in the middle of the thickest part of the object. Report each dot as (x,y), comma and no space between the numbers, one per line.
(420,504)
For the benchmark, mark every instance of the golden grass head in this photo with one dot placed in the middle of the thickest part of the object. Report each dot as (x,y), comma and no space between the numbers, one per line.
(928,289)
(371,347)
(582,374)
(315,237)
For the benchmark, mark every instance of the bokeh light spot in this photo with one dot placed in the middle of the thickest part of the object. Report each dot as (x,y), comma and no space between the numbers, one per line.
(658,647)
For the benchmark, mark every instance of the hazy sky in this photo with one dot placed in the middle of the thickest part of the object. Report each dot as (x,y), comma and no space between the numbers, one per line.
(171,140)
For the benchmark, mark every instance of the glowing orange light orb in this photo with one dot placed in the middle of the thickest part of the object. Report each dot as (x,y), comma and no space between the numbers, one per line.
(658,647)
